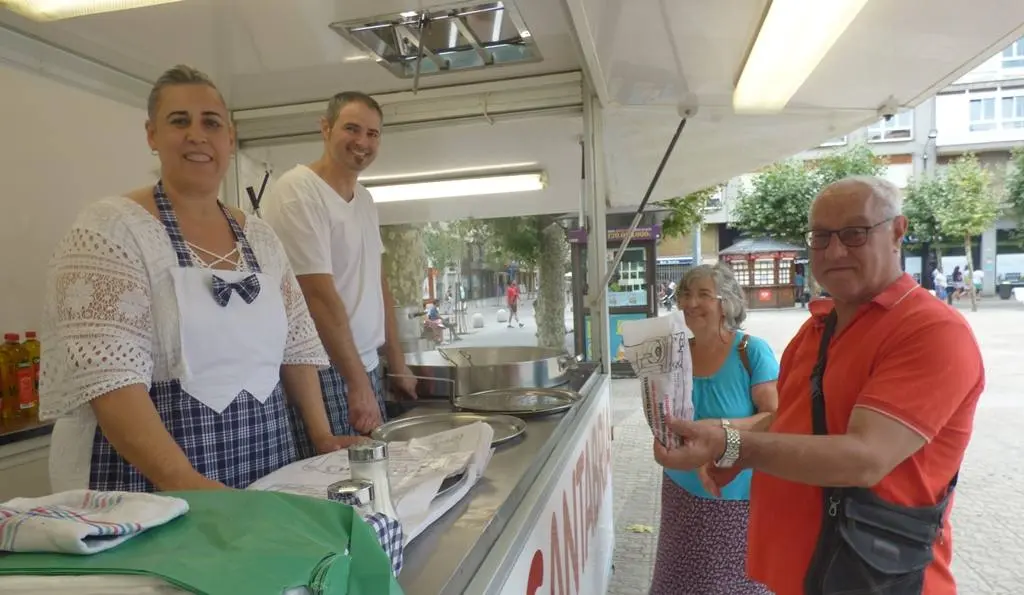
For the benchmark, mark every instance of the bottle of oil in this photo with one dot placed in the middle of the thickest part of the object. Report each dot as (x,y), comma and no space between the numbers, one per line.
(22,389)
(10,412)
(34,349)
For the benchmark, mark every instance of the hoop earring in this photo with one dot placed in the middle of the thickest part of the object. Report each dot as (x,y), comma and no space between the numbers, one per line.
(153,152)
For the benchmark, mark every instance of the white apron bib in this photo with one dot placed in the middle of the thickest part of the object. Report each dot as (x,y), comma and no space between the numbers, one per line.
(231,348)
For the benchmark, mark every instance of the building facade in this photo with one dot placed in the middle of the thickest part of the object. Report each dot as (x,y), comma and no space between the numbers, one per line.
(981,113)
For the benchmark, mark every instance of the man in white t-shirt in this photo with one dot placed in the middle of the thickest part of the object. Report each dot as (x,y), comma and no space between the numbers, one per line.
(328,224)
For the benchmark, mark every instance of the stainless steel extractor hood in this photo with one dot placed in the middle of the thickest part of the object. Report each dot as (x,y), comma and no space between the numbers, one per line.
(446,38)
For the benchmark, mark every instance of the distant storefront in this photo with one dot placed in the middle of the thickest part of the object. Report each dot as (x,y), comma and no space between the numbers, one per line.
(765,268)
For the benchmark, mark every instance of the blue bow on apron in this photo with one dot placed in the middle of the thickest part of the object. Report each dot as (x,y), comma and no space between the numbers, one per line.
(248,289)
(227,410)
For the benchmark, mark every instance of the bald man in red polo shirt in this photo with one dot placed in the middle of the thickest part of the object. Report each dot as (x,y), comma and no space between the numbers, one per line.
(902,379)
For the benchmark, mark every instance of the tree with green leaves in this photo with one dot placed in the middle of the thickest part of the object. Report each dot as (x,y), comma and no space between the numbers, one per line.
(780,198)
(777,203)
(445,244)
(969,207)
(920,206)
(858,160)
(685,213)
(537,242)
(1015,190)
(518,238)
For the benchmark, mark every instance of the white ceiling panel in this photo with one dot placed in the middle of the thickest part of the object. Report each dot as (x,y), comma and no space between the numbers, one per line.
(268,52)
(715,146)
(644,57)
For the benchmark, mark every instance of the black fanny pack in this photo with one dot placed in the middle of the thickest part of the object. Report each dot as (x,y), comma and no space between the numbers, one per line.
(867,546)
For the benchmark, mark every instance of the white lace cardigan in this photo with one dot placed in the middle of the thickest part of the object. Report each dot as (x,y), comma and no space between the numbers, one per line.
(110,320)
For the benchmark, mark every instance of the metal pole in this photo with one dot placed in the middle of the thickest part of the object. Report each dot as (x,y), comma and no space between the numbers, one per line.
(600,295)
(698,257)
(582,223)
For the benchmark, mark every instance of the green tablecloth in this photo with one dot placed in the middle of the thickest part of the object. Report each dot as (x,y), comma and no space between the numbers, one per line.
(240,541)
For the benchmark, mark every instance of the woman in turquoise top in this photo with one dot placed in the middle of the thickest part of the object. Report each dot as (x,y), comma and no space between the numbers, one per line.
(702,541)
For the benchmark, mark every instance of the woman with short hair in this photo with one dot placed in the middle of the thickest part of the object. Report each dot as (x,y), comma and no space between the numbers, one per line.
(172,321)
(702,541)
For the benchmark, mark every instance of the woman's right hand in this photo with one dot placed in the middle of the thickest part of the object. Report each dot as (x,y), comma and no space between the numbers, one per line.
(713,479)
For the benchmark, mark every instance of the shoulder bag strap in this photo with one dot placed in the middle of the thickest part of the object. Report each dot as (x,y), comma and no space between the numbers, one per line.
(744,356)
(818,377)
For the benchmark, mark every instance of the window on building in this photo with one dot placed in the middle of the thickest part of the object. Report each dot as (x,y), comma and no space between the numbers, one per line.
(1012,111)
(834,142)
(1013,56)
(764,271)
(785,270)
(983,114)
(899,127)
(741,272)
(715,201)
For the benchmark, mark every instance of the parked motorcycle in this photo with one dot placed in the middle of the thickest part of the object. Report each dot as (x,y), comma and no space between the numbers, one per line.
(668,301)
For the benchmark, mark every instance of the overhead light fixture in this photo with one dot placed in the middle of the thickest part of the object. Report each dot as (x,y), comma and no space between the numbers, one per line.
(500,184)
(794,37)
(408,14)
(437,174)
(53,10)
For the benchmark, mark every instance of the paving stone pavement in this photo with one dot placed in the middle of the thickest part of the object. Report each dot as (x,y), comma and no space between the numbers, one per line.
(988,524)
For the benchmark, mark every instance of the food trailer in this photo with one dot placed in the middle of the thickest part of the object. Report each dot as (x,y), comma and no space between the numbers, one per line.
(489,110)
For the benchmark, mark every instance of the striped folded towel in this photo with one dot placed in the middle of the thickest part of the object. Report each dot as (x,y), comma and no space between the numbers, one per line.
(82,521)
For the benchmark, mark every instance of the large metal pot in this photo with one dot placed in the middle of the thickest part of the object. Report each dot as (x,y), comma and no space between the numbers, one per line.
(475,369)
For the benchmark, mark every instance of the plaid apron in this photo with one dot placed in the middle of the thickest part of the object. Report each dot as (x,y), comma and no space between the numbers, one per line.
(243,443)
(336,402)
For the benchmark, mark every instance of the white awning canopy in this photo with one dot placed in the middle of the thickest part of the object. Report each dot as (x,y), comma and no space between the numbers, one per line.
(278,62)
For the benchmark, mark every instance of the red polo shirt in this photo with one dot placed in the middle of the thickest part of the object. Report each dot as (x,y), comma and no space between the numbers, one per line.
(906,355)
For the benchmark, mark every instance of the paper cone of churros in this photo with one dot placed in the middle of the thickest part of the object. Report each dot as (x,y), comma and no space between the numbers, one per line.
(659,352)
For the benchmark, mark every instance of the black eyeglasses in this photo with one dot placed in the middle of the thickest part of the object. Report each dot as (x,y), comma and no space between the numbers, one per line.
(851,237)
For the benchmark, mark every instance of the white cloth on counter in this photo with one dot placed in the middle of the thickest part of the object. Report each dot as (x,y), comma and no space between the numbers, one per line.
(82,521)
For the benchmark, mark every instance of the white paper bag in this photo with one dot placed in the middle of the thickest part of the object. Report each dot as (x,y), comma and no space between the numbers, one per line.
(659,352)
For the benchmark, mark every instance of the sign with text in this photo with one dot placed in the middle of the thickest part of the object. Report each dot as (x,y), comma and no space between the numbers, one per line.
(569,552)
(653,232)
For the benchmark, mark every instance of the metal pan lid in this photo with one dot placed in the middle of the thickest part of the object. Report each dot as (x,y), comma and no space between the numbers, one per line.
(407,428)
(516,401)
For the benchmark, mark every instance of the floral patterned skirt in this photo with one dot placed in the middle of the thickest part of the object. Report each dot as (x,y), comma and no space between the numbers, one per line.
(702,546)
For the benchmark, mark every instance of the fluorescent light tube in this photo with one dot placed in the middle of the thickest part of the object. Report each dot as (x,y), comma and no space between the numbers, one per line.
(52,10)
(795,36)
(460,172)
(460,187)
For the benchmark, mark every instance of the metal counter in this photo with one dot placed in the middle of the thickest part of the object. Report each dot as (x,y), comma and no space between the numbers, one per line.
(445,558)
(24,431)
